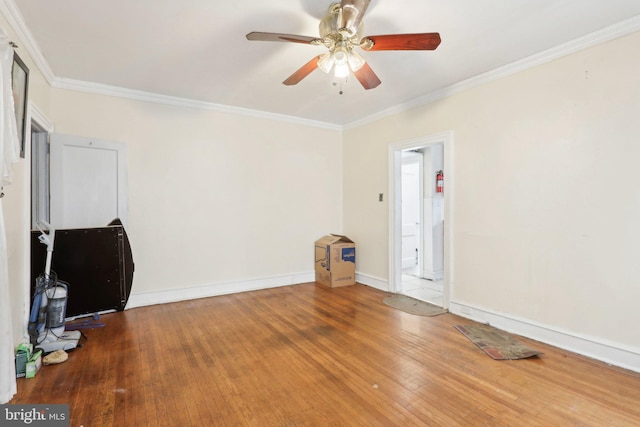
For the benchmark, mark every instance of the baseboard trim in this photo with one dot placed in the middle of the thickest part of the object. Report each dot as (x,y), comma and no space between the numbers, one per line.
(374,282)
(595,348)
(175,295)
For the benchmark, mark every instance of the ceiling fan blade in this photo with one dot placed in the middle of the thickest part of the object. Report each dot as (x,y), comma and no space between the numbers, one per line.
(420,41)
(277,37)
(352,13)
(367,77)
(302,72)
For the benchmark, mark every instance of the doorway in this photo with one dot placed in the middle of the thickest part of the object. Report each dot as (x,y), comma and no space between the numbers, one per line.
(422,220)
(419,215)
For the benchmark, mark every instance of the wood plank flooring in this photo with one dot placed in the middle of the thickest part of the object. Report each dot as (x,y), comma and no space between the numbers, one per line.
(306,355)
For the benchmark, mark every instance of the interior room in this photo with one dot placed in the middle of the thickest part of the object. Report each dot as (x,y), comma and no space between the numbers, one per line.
(488,170)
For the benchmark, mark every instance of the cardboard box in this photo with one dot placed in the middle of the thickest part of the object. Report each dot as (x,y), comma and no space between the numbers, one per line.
(335,261)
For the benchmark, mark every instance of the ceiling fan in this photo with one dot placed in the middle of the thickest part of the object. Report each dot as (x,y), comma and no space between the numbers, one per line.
(340,32)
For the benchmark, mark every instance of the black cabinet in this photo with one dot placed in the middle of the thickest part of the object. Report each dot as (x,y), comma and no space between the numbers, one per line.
(96,262)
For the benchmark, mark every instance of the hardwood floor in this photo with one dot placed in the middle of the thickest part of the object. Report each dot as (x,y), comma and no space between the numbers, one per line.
(306,355)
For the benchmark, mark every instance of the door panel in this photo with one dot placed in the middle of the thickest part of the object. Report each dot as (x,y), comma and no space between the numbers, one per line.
(411,218)
(88,182)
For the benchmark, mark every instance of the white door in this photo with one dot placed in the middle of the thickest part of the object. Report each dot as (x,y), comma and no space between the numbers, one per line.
(411,213)
(88,182)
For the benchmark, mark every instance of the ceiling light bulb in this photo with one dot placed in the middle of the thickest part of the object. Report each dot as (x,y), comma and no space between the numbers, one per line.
(341,71)
(341,57)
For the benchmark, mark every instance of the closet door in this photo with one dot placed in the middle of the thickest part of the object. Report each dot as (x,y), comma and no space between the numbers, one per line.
(88,182)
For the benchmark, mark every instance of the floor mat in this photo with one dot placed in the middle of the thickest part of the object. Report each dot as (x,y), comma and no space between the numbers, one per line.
(500,345)
(413,306)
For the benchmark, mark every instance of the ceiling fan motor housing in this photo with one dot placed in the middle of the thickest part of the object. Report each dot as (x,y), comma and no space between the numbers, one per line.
(331,27)
(352,13)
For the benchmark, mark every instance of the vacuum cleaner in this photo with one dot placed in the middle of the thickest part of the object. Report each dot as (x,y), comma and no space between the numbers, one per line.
(47,317)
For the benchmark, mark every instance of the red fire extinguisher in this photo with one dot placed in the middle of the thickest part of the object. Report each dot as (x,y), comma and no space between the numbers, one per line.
(439,182)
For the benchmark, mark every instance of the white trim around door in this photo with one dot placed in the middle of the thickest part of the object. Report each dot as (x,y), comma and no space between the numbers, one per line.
(395,208)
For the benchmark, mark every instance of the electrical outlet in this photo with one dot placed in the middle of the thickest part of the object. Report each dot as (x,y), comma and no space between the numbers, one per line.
(380,197)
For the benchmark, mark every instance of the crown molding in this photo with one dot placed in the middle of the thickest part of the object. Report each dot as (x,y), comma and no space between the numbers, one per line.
(11,12)
(606,34)
(174,101)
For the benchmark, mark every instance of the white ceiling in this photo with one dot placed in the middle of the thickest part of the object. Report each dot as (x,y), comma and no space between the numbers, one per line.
(196,49)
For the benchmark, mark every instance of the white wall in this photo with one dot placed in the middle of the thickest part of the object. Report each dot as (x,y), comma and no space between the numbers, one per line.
(16,203)
(546,192)
(217,202)
(214,198)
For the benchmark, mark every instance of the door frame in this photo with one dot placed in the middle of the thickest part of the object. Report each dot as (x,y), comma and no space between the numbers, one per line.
(395,208)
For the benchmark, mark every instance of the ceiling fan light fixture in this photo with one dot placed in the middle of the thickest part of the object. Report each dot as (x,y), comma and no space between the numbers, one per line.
(325,63)
(341,57)
(341,60)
